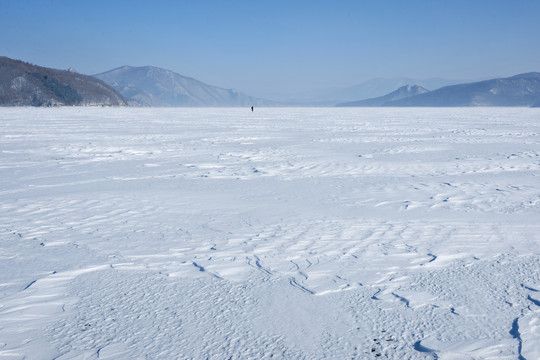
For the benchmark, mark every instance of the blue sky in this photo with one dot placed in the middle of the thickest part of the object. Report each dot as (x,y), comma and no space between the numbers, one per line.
(278,47)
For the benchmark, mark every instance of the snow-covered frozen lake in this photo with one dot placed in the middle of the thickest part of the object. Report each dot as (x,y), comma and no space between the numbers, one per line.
(331,233)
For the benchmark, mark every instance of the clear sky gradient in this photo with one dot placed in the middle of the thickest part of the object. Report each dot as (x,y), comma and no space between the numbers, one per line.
(278,47)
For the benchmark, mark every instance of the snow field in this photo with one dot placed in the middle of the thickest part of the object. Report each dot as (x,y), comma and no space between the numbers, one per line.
(284,233)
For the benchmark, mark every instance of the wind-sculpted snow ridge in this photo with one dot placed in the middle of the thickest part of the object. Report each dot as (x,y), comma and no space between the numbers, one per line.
(282,233)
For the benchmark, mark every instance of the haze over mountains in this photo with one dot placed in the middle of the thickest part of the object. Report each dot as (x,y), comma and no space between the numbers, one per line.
(24,84)
(369,89)
(518,90)
(401,93)
(152,86)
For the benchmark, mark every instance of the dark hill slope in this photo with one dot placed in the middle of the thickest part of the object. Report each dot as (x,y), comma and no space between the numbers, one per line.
(24,84)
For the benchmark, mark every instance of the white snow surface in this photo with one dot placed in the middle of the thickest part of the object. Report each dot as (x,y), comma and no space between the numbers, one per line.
(331,233)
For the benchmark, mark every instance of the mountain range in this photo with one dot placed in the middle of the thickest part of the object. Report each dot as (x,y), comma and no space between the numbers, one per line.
(24,84)
(518,90)
(152,86)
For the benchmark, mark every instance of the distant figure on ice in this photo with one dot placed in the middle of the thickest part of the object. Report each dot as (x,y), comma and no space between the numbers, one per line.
(252,108)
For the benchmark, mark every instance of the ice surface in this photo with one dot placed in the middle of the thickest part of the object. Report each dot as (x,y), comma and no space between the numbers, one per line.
(285,233)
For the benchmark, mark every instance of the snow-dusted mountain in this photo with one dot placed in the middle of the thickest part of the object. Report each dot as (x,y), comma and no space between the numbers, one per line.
(401,93)
(518,90)
(153,86)
(25,84)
